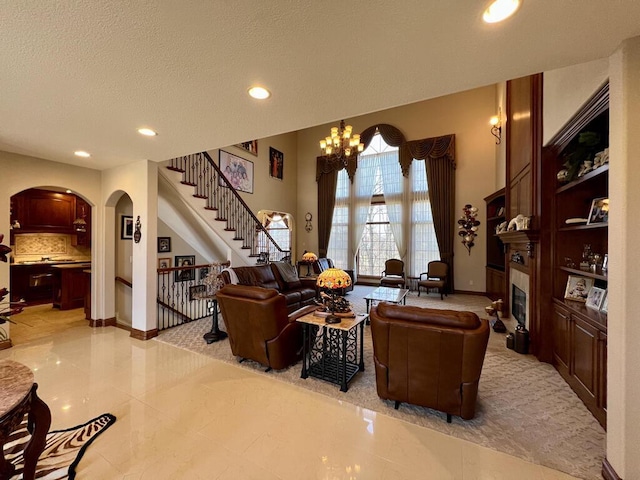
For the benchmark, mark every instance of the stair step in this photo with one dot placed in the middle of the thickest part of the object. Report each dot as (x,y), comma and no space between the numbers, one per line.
(176,169)
(238,238)
(191,184)
(211,208)
(247,248)
(229,229)
(219,219)
(199,196)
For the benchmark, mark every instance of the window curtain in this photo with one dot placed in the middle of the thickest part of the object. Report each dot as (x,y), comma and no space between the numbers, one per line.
(394,197)
(364,184)
(326,200)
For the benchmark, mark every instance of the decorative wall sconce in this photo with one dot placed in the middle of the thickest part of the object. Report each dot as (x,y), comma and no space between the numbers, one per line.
(137,235)
(496,126)
(308,227)
(468,226)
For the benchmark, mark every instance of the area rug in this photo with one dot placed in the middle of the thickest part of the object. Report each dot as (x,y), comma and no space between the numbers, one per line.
(524,407)
(63,450)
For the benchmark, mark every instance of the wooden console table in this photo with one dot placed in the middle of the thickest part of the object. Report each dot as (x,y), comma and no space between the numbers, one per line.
(17,398)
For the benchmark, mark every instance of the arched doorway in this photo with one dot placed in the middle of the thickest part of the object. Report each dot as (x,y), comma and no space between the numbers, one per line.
(51,259)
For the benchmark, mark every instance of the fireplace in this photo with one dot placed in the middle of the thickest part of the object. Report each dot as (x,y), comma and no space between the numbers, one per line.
(519,297)
(519,304)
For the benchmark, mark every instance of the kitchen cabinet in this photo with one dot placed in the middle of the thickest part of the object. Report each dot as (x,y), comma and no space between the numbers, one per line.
(70,285)
(33,283)
(44,211)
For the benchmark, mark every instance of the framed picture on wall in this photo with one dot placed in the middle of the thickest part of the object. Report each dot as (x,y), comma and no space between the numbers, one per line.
(126,227)
(164,262)
(276,163)
(186,274)
(250,146)
(238,171)
(164,244)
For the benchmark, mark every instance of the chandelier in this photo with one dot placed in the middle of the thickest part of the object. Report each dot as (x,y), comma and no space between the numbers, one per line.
(342,143)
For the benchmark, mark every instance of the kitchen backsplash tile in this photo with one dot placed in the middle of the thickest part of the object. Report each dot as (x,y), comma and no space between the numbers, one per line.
(33,246)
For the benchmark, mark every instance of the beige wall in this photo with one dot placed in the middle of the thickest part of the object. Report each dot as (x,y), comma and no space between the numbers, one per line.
(623,392)
(464,114)
(566,90)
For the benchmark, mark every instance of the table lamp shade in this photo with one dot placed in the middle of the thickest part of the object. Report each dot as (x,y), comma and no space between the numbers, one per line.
(309,257)
(333,278)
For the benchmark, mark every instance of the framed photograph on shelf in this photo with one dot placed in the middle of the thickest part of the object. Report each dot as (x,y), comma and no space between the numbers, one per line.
(238,171)
(604,306)
(164,244)
(599,212)
(164,262)
(126,227)
(595,297)
(276,163)
(185,275)
(250,146)
(578,288)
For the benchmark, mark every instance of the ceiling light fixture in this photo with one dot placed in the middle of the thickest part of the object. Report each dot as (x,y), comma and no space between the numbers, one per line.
(259,93)
(342,143)
(147,132)
(82,153)
(500,10)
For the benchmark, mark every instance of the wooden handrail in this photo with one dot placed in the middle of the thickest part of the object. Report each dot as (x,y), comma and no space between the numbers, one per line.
(242,202)
(124,282)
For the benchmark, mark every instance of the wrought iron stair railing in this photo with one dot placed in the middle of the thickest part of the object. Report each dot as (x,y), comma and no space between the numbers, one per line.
(200,171)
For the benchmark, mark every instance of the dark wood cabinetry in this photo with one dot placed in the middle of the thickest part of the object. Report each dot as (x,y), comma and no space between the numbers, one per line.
(70,286)
(44,211)
(579,332)
(33,283)
(495,269)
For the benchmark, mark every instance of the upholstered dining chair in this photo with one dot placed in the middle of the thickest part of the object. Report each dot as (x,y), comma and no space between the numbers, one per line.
(393,274)
(435,277)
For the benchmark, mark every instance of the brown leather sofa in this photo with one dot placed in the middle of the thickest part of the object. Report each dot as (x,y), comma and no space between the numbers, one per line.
(297,292)
(321,264)
(260,327)
(429,357)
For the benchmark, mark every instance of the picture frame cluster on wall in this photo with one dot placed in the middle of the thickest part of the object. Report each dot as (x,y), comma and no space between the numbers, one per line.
(164,244)
(276,163)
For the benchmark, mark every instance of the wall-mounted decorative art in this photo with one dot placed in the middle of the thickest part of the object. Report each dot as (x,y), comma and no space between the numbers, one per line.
(276,163)
(126,227)
(250,146)
(237,170)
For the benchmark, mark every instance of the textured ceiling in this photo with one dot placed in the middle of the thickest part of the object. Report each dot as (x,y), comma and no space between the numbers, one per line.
(84,75)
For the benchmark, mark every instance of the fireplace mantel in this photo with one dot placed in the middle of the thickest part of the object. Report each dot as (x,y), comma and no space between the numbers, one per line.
(526,237)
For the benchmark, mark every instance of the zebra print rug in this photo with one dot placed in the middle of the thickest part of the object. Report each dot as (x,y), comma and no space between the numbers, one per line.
(62,452)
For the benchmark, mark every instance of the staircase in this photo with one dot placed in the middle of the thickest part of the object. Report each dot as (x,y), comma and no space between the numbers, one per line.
(201,172)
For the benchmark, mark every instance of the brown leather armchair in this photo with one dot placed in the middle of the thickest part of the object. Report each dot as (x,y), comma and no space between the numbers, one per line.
(429,357)
(259,327)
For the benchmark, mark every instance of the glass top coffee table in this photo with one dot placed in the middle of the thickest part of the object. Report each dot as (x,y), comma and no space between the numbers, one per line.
(387,294)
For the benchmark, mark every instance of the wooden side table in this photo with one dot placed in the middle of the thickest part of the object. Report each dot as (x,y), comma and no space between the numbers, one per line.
(17,398)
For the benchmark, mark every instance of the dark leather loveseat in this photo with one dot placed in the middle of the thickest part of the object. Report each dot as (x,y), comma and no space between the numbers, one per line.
(429,357)
(297,292)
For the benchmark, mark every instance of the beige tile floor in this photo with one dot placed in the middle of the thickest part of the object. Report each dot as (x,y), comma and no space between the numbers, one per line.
(181,415)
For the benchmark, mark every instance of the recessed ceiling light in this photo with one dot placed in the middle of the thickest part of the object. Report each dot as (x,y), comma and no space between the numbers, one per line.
(147,131)
(68,191)
(500,10)
(259,92)
(82,153)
